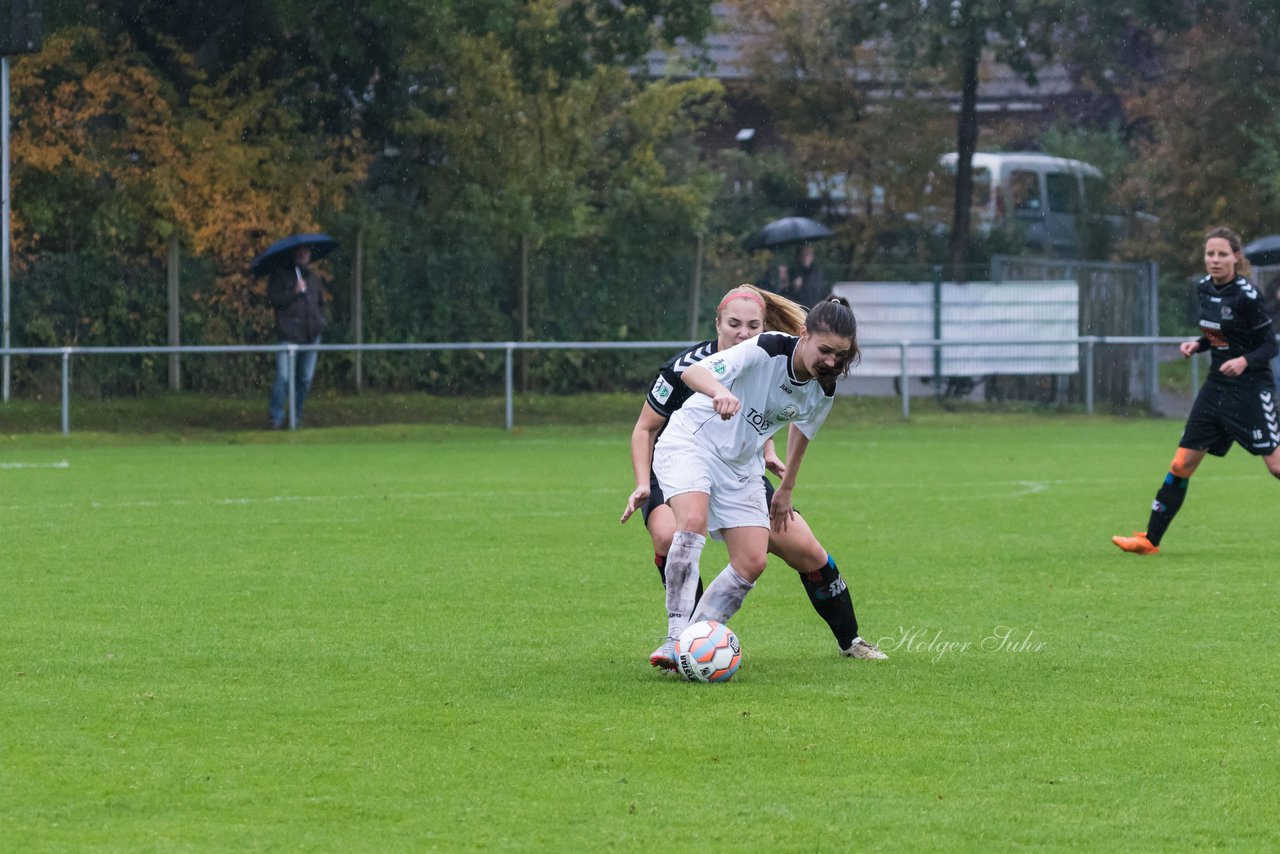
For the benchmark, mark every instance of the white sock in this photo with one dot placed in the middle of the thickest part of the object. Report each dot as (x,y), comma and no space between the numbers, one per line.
(682,579)
(723,597)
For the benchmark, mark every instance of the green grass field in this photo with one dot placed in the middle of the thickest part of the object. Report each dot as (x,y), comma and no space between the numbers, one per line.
(435,639)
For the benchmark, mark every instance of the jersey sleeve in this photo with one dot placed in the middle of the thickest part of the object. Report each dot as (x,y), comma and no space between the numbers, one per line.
(727,365)
(811,425)
(1260,322)
(668,392)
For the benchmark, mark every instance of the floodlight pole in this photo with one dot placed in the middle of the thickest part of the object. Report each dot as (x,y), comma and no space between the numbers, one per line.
(4,188)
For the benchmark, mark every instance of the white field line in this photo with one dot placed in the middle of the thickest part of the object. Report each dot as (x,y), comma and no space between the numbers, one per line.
(61,464)
(942,491)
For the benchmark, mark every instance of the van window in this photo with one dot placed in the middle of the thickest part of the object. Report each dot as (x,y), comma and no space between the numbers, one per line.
(981,187)
(1024,191)
(1063,191)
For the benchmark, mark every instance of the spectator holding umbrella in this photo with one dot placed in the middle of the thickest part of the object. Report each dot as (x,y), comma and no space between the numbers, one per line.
(295,292)
(802,281)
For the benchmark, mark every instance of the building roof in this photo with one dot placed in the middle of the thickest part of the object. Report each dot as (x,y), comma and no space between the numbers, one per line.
(723,55)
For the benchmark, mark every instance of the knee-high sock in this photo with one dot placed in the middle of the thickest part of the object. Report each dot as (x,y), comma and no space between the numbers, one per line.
(830,597)
(723,597)
(682,579)
(1168,501)
(660,561)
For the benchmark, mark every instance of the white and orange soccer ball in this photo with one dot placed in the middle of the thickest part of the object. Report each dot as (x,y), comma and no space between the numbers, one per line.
(708,651)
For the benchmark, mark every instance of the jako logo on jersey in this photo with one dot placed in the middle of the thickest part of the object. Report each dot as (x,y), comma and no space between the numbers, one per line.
(661,390)
(757,420)
(786,388)
(788,412)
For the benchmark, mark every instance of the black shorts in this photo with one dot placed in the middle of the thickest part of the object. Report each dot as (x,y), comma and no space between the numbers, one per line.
(1222,414)
(656,499)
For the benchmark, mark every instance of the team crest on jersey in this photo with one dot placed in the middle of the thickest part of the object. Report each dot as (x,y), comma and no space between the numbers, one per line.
(717,367)
(1226,312)
(661,390)
(788,412)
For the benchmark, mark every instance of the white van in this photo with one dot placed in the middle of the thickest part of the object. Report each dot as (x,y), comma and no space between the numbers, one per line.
(1045,198)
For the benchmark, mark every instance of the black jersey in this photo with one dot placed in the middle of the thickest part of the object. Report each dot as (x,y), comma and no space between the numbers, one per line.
(1232,324)
(669,391)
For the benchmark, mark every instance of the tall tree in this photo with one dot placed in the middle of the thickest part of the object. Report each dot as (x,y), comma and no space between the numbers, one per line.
(952,38)
(816,66)
(1205,131)
(107,158)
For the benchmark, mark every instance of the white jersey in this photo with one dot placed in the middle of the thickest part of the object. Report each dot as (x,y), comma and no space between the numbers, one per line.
(758,372)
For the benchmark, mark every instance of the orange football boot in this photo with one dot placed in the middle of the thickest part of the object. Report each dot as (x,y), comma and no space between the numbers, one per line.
(1138,544)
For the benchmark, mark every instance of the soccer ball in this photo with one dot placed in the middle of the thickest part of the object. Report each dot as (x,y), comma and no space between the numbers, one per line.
(708,651)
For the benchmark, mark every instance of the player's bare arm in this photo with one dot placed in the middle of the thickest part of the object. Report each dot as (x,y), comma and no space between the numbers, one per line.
(643,437)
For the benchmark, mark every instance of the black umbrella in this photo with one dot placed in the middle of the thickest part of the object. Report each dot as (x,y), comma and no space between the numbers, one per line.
(791,229)
(1265,251)
(282,250)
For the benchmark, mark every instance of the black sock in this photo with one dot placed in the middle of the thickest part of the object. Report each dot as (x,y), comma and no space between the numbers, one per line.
(1168,500)
(660,561)
(830,597)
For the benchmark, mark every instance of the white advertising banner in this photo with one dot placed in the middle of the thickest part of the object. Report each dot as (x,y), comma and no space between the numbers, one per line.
(986,312)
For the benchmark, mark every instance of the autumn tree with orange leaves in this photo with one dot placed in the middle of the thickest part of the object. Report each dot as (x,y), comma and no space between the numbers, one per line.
(109,158)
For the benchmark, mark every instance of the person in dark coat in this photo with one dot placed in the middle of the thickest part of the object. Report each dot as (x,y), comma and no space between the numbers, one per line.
(807,285)
(295,292)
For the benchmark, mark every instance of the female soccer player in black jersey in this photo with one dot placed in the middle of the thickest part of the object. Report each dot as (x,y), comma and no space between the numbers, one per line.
(1237,402)
(743,313)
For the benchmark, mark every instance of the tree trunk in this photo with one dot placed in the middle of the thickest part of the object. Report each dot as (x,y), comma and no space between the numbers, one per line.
(966,144)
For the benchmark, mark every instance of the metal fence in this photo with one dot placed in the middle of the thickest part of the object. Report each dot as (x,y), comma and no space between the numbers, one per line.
(1116,303)
(1089,348)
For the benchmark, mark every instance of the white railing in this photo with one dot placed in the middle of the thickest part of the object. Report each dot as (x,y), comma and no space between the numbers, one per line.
(1087,343)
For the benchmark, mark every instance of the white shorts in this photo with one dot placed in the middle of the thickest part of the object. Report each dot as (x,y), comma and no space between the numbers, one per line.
(736,501)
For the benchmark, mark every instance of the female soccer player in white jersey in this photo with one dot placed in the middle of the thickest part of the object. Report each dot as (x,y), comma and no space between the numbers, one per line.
(742,314)
(709,460)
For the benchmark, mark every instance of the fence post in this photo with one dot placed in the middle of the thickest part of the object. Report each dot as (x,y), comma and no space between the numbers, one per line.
(293,385)
(173,260)
(509,385)
(905,380)
(524,312)
(937,331)
(357,305)
(695,300)
(66,390)
(1153,330)
(1088,375)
